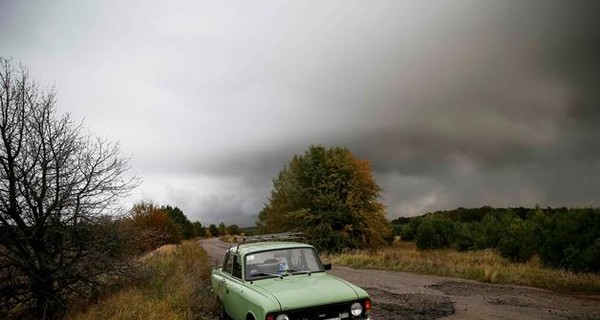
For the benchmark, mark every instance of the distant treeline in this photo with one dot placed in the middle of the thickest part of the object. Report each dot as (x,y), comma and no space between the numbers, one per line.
(567,238)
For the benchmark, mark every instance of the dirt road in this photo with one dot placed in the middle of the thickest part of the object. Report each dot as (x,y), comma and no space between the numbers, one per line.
(400,295)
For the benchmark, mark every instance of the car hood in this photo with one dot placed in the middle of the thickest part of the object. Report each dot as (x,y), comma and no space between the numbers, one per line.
(301,291)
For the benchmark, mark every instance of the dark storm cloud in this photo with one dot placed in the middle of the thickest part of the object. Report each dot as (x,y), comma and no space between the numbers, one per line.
(461,103)
(489,104)
(525,123)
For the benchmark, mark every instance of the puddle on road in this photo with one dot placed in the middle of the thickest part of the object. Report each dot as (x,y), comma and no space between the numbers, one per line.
(413,306)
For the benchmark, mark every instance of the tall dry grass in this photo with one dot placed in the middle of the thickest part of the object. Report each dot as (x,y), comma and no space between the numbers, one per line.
(177,286)
(484,265)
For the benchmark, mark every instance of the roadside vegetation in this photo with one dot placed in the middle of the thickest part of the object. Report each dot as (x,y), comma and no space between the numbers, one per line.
(559,238)
(483,265)
(176,286)
(556,249)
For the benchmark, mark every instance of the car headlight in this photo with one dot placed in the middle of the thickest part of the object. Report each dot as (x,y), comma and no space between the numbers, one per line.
(356,309)
(282,317)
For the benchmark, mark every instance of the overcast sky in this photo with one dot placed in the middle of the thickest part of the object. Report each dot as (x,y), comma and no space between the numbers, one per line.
(455,103)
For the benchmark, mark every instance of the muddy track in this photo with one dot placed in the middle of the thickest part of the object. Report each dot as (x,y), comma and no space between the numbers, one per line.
(401,295)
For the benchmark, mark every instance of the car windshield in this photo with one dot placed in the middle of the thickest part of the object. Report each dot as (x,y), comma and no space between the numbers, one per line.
(282,262)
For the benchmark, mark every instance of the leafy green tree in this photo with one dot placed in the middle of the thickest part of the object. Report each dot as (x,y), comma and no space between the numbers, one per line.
(434,234)
(409,231)
(233,229)
(222,229)
(492,229)
(571,240)
(464,238)
(331,196)
(519,242)
(214,231)
(185,226)
(592,255)
(199,229)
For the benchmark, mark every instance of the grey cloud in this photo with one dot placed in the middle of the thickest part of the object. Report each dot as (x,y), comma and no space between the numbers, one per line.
(465,103)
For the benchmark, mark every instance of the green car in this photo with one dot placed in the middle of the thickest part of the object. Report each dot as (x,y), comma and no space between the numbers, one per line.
(283,280)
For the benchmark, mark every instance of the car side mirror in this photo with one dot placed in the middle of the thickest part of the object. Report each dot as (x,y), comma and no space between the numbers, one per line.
(327,266)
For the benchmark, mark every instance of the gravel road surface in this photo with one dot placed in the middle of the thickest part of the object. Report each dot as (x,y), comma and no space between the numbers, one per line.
(401,295)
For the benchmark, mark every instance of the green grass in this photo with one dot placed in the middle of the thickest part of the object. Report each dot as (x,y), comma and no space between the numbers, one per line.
(177,287)
(484,265)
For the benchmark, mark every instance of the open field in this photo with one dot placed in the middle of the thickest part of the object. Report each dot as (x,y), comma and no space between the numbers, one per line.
(485,266)
(177,287)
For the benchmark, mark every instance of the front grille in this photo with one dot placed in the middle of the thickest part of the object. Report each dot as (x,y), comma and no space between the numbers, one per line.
(332,311)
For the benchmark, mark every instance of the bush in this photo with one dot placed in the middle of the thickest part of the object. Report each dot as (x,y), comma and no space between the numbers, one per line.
(153,227)
(519,243)
(572,240)
(487,235)
(434,234)
(563,238)
(410,232)
(464,238)
(592,256)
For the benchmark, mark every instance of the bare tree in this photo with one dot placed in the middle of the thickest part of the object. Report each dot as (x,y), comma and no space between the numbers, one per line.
(57,186)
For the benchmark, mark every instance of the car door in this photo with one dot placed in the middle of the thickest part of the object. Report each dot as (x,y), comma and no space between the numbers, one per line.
(231,287)
(235,288)
(225,283)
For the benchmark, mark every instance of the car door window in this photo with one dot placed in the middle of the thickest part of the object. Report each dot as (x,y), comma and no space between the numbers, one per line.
(228,264)
(237,267)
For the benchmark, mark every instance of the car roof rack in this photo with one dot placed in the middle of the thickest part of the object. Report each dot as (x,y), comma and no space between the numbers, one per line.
(282,236)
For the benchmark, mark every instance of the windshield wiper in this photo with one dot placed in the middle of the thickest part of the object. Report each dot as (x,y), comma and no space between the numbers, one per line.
(266,274)
(300,271)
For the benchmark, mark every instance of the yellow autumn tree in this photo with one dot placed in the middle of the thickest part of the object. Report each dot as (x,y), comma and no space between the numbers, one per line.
(332,197)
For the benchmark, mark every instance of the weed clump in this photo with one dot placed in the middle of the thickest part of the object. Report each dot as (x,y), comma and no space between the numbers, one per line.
(176,285)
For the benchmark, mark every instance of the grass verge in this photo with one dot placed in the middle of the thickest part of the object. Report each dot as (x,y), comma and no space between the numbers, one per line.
(177,287)
(484,266)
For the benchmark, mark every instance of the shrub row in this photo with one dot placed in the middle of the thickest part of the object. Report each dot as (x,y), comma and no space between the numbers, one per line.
(563,238)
